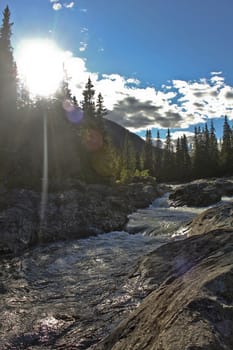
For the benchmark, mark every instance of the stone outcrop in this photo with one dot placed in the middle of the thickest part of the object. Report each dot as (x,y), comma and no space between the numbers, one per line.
(201,193)
(190,304)
(219,217)
(81,212)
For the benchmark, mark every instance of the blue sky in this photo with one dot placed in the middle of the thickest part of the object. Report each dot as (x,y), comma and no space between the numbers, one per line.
(158,63)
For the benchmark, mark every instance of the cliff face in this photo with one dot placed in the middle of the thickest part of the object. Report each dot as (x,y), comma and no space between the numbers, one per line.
(191,303)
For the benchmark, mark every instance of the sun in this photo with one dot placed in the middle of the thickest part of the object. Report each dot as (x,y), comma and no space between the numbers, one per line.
(40,64)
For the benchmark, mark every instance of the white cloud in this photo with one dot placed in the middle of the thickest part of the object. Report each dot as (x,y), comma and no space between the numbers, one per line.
(84,30)
(178,104)
(57,6)
(83,46)
(216,73)
(69,5)
(176,134)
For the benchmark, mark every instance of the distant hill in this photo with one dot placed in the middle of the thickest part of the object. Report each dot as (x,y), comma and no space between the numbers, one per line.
(117,134)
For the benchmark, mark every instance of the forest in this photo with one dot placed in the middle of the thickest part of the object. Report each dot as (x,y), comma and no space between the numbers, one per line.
(79,144)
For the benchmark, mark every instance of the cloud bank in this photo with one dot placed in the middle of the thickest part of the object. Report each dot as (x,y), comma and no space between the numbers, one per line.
(177,104)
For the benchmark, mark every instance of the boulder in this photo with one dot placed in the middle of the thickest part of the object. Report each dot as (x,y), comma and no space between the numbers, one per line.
(198,194)
(188,283)
(191,305)
(71,214)
(219,217)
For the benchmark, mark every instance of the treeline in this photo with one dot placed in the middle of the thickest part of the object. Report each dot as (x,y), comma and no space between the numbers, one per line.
(204,157)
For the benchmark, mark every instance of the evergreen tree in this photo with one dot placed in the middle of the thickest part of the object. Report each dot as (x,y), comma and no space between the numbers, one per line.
(128,160)
(101,111)
(186,160)
(8,71)
(201,153)
(158,143)
(24,99)
(168,160)
(168,142)
(213,151)
(74,100)
(88,102)
(227,148)
(158,156)
(148,153)
(178,160)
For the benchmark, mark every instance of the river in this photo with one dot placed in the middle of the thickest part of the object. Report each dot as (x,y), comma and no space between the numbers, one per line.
(69,295)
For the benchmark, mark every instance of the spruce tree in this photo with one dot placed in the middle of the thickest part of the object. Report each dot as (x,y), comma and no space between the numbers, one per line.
(213,151)
(168,161)
(186,160)
(178,160)
(101,111)
(128,160)
(88,102)
(148,159)
(8,71)
(227,148)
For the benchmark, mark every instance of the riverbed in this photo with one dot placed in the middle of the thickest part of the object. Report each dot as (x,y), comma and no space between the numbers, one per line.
(69,295)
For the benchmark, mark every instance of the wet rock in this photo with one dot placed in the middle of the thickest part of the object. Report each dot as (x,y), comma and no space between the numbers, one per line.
(220,217)
(81,212)
(200,194)
(191,303)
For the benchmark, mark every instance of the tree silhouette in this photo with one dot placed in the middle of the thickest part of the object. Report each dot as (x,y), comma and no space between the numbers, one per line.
(8,71)
(226,149)
(88,102)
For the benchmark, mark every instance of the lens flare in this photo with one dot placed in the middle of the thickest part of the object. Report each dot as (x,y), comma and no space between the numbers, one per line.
(74,113)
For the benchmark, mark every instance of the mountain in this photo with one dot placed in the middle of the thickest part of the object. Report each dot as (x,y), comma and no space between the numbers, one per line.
(117,135)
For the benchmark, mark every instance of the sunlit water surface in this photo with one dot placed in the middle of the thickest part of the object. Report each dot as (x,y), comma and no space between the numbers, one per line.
(68,295)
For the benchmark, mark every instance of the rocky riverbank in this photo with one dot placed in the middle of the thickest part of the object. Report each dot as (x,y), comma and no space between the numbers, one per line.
(77,213)
(201,193)
(190,306)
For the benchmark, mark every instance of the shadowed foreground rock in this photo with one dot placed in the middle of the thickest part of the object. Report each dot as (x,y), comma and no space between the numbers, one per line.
(191,305)
(71,214)
(196,194)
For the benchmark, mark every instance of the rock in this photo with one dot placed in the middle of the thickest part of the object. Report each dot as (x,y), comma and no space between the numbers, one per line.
(191,305)
(199,194)
(188,283)
(220,217)
(71,214)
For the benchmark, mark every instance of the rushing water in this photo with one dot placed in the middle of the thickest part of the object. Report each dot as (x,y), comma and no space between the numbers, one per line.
(68,295)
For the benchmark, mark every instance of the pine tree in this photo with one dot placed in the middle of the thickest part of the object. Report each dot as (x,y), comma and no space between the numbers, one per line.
(8,71)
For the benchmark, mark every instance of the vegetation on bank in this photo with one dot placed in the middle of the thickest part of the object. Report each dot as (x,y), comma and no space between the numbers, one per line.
(80,146)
